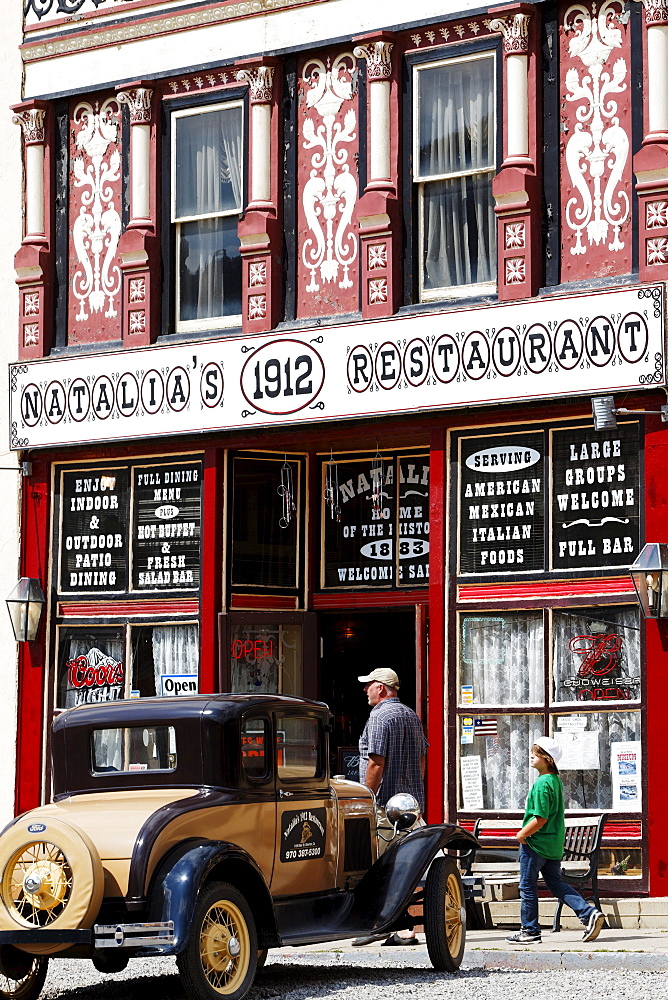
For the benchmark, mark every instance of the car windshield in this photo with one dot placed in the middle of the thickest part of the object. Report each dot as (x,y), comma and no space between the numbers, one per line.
(136,748)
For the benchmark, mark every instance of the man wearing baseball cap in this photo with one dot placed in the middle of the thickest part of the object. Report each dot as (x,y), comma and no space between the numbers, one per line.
(392,755)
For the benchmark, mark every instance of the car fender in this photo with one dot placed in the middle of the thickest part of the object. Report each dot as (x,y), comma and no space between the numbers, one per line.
(179,878)
(385,891)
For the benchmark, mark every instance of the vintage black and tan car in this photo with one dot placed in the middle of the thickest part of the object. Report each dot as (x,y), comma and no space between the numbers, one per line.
(208,828)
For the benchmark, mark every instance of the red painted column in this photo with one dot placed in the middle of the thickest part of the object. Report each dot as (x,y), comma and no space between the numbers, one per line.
(516,186)
(656,667)
(650,163)
(378,209)
(32,655)
(212,568)
(138,246)
(259,228)
(436,806)
(33,262)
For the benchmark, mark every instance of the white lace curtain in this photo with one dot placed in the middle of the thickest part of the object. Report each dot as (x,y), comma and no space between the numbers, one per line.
(209,159)
(457,135)
(501,658)
(175,651)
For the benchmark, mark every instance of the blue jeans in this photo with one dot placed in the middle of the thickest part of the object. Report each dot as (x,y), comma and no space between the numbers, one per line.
(531,866)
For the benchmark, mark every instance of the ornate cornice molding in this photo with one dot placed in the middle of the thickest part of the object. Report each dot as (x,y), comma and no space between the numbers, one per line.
(139,101)
(154,27)
(515,31)
(31,121)
(378,57)
(260,80)
(656,11)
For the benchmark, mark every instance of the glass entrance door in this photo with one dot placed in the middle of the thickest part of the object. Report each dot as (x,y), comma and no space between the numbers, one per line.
(268,653)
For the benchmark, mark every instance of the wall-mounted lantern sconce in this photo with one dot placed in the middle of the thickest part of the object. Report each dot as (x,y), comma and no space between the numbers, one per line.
(25,605)
(605,413)
(650,578)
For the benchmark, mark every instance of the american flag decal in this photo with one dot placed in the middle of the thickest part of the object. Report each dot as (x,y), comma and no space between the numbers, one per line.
(485,727)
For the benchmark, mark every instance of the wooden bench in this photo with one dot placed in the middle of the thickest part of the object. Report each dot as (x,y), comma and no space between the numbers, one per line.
(579,865)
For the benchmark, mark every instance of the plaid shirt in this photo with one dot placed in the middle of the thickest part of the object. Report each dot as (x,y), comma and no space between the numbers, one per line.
(393,731)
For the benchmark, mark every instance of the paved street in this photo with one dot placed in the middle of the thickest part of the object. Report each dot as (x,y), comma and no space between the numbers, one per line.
(340,975)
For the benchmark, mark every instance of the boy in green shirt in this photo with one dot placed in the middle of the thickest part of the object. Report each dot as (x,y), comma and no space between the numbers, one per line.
(542,846)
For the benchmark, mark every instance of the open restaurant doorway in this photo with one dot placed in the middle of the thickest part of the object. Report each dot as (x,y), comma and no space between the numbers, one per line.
(352,645)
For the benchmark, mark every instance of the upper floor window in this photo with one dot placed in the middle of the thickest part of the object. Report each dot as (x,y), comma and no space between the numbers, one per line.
(454,161)
(207,191)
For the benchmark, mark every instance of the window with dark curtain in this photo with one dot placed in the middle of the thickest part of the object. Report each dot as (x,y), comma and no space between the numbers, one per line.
(264,554)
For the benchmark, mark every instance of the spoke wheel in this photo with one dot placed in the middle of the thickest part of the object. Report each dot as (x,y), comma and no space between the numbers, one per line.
(49,879)
(21,976)
(444,915)
(220,958)
(37,884)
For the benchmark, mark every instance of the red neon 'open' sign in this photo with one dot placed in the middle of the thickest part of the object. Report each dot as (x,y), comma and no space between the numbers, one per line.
(252,649)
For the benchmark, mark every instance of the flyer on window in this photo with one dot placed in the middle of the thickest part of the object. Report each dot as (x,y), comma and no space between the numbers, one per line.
(625,764)
(471,771)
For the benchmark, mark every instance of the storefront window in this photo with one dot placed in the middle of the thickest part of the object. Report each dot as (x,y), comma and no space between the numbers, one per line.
(92,663)
(494,760)
(601,763)
(91,666)
(266,659)
(165,659)
(596,655)
(502,659)
(265,522)
(594,663)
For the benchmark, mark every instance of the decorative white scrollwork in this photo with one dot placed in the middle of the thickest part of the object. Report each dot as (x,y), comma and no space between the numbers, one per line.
(598,145)
(331,190)
(97,228)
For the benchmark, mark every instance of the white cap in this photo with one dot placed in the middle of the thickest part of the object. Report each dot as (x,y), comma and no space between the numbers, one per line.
(550,746)
(383,675)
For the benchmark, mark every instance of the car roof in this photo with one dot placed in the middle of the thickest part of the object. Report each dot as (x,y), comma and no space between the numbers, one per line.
(163,711)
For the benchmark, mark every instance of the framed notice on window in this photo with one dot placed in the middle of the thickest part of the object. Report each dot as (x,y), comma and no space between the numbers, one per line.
(502,503)
(595,497)
(167,514)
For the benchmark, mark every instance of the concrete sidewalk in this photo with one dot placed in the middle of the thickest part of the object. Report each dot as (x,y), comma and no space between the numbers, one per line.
(645,950)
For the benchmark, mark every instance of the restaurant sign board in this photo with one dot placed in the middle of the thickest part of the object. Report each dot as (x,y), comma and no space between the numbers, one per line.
(592,343)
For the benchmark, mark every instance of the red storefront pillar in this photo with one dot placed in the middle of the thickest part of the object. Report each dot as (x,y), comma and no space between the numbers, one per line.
(656,666)
(436,700)
(32,655)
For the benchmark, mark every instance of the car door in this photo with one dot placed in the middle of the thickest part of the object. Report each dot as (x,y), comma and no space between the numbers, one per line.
(306,830)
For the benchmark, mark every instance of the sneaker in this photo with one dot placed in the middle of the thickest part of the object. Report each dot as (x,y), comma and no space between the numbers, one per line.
(525,937)
(593,925)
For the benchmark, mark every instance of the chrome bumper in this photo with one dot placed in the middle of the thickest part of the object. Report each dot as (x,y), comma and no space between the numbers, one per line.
(133,935)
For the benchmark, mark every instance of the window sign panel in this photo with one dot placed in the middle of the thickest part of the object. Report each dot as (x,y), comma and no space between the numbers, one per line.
(359,542)
(596,654)
(376,525)
(502,504)
(94,531)
(91,666)
(167,506)
(595,497)
(413,521)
